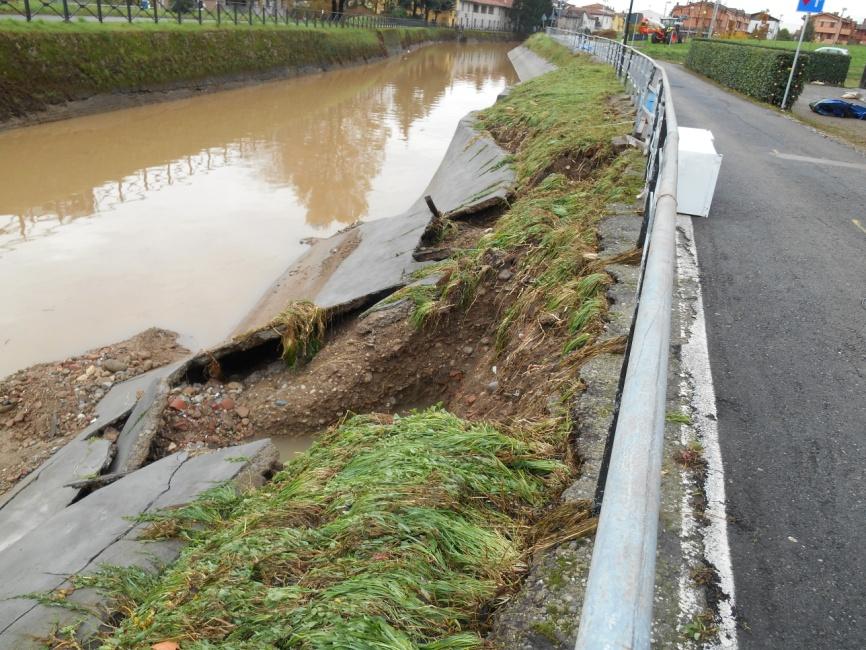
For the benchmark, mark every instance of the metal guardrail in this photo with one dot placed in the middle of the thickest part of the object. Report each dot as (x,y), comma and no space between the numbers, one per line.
(617,610)
(223,12)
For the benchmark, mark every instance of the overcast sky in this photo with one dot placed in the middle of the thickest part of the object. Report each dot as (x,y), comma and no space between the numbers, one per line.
(786,10)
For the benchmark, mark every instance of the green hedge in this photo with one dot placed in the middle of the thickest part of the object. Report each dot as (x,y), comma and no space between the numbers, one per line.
(40,68)
(760,72)
(829,68)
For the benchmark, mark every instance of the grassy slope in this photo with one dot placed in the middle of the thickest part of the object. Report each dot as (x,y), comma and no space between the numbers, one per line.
(677,54)
(42,64)
(402,532)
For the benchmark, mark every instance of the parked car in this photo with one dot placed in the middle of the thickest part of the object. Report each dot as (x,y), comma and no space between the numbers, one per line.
(833,50)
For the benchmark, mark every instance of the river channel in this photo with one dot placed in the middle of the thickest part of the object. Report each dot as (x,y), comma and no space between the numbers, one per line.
(181,214)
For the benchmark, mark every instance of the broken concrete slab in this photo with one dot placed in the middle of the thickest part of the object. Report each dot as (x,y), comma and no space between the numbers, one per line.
(133,443)
(528,64)
(344,271)
(122,397)
(97,530)
(31,503)
(50,488)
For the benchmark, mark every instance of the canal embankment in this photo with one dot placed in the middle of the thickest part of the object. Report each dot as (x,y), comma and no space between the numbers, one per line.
(65,70)
(414,522)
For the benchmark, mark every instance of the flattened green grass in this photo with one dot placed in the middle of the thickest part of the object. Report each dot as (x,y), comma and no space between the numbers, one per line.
(383,535)
(559,128)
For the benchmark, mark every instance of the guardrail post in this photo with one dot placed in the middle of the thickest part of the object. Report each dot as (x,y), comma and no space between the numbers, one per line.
(219,17)
(199,3)
(155,12)
(27,14)
(65,11)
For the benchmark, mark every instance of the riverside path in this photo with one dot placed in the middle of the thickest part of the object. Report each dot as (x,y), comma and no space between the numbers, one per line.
(783,265)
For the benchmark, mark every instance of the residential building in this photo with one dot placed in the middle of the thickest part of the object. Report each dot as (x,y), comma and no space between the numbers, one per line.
(575,19)
(832,28)
(697,17)
(484,14)
(619,22)
(764,22)
(601,15)
(860,34)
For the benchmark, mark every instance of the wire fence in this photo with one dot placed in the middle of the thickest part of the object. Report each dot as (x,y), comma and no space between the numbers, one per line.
(617,611)
(220,13)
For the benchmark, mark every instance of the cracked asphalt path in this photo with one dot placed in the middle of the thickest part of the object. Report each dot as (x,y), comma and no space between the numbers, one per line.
(783,266)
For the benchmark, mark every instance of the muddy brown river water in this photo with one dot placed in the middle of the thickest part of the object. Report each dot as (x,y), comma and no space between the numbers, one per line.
(181,214)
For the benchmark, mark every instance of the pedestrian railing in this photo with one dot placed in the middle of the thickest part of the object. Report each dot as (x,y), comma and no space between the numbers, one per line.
(207,12)
(617,610)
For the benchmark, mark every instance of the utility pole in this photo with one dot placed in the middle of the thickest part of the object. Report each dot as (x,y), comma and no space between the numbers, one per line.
(713,20)
(625,36)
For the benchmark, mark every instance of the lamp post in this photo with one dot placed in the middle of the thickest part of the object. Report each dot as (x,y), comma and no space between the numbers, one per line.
(625,36)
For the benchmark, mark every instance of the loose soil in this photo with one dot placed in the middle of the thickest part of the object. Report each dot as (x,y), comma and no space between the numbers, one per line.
(43,406)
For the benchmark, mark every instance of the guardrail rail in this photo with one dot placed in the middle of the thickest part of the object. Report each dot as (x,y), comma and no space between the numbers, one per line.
(617,610)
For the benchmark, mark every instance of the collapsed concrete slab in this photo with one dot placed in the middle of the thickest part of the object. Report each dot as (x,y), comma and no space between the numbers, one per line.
(345,270)
(47,490)
(528,64)
(133,443)
(120,400)
(29,504)
(97,531)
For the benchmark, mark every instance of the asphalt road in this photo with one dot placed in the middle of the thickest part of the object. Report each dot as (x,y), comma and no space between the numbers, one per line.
(783,266)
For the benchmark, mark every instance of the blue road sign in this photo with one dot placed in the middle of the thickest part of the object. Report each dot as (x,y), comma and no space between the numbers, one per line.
(810,6)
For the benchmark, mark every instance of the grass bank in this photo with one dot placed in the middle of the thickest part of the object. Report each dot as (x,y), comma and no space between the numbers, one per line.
(52,63)
(409,531)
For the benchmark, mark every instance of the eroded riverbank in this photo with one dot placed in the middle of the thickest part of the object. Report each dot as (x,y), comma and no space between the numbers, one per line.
(502,331)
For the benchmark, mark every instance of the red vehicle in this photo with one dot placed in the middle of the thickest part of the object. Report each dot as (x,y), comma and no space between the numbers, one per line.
(668,32)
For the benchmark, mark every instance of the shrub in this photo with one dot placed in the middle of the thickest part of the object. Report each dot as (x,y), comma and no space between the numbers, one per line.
(760,72)
(829,68)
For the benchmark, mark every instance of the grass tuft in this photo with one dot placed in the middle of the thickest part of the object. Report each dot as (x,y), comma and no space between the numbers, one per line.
(302,330)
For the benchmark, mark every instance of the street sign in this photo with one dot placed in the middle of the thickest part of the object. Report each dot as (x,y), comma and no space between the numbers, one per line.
(810,6)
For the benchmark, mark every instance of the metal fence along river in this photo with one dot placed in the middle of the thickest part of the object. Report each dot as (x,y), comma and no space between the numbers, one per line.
(617,610)
(219,13)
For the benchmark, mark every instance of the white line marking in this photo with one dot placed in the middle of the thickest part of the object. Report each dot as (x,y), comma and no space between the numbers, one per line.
(857,223)
(696,363)
(818,161)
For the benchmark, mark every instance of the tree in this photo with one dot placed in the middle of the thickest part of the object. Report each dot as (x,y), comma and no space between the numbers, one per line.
(527,13)
(436,7)
(784,35)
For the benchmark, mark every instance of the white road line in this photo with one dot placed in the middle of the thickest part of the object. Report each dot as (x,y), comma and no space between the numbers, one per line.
(696,363)
(818,161)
